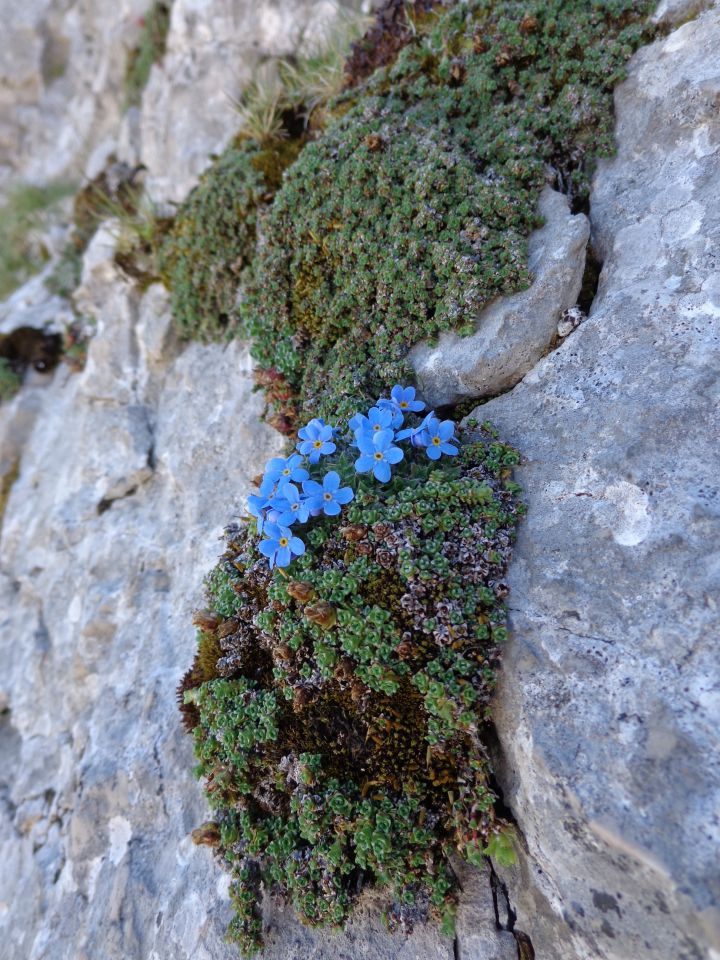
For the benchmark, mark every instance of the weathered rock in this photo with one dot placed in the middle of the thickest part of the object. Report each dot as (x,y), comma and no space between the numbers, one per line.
(608,711)
(62,70)
(513,333)
(673,13)
(61,75)
(188,112)
(106,531)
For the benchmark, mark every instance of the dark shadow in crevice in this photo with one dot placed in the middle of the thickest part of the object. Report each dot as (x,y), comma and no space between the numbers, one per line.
(590,280)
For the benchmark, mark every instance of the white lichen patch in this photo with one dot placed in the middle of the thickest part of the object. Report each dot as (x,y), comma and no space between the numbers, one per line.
(624,509)
(120,831)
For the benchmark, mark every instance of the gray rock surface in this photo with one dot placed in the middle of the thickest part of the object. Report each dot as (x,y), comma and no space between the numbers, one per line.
(127,472)
(609,714)
(62,69)
(62,66)
(188,111)
(513,333)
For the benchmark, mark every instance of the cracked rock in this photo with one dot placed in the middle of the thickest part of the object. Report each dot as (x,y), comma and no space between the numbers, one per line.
(607,711)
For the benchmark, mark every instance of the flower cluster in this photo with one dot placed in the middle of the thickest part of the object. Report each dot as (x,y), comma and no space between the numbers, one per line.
(290,495)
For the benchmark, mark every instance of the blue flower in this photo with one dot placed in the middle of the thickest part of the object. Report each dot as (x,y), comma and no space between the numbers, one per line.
(280,546)
(377,454)
(375,421)
(290,506)
(436,435)
(316,440)
(280,469)
(417,435)
(403,399)
(271,494)
(256,506)
(329,497)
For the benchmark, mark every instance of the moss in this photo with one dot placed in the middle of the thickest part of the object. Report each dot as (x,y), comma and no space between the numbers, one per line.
(113,193)
(413,209)
(10,382)
(213,242)
(213,237)
(150,49)
(10,476)
(22,217)
(341,736)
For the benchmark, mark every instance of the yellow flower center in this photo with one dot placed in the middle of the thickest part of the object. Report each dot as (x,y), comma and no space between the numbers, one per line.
(378,456)
(286,472)
(403,404)
(327,496)
(436,441)
(318,444)
(376,426)
(284,541)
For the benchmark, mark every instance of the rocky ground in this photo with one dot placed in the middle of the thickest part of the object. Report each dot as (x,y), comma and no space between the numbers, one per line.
(608,711)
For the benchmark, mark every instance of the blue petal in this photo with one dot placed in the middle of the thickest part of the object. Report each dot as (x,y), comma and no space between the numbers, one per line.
(382,471)
(364,463)
(433,452)
(331,481)
(283,556)
(394,454)
(382,439)
(267,547)
(267,486)
(297,546)
(312,488)
(344,495)
(332,509)
(449,449)
(356,422)
(447,429)
(366,443)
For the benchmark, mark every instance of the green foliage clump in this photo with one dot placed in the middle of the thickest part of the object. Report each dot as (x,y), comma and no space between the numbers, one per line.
(340,730)
(149,50)
(413,208)
(112,194)
(22,216)
(213,237)
(9,380)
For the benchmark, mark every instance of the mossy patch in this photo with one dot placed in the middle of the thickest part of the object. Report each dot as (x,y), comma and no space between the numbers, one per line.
(13,472)
(213,237)
(340,733)
(23,216)
(10,382)
(150,49)
(413,209)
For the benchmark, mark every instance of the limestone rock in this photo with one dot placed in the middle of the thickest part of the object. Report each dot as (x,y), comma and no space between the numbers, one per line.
(673,13)
(61,74)
(608,711)
(125,473)
(514,332)
(187,110)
